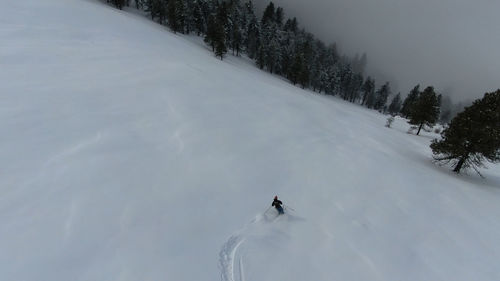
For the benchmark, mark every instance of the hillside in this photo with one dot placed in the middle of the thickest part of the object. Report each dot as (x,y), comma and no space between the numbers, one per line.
(132,153)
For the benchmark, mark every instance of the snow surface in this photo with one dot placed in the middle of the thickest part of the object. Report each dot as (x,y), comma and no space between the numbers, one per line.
(131,153)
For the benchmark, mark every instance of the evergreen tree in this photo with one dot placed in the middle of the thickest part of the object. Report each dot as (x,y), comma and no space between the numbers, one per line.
(332,79)
(118,3)
(279,16)
(268,15)
(368,89)
(307,50)
(317,67)
(355,87)
(197,18)
(139,4)
(222,17)
(277,45)
(270,40)
(220,31)
(304,76)
(296,69)
(346,76)
(157,9)
(175,15)
(211,35)
(425,110)
(251,31)
(270,46)
(292,25)
(236,38)
(220,45)
(287,52)
(187,16)
(395,105)
(473,136)
(409,101)
(381,97)
(234,26)
(371,99)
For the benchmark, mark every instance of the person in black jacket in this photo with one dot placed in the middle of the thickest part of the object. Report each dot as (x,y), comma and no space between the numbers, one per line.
(277,204)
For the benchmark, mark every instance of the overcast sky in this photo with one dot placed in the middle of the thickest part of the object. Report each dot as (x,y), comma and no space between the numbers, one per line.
(453,45)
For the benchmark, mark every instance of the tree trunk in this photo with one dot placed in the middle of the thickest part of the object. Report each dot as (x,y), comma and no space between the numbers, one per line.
(419,128)
(459,165)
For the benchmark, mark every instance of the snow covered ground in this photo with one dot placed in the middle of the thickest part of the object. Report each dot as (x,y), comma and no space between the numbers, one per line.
(131,153)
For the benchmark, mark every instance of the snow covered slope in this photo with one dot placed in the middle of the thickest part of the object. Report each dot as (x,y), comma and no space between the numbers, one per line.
(131,153)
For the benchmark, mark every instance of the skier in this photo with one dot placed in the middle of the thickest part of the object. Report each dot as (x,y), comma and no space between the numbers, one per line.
(277,204)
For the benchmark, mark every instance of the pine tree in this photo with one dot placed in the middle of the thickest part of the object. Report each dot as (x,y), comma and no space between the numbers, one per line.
(222,17)
(220,34)
(220,45)
(268,15)
(395,105)
(251,31)
(296,69)
(197,18)
(332,79)
(473,136)
(355,87)
(157,9)
(236,25)
(270,40)
(210,36)
(277,45)
(270,45)
(318,66)
(172,15)
(425,110)
(381,96)
(188,16)
(307,51)
(118,3)
(346,76)
(409,101)
(367,89)
(236,38)
(304,76)
(279,16)
(139,4)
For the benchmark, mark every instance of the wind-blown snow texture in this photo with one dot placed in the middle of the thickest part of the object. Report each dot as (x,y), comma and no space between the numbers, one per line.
(131,153)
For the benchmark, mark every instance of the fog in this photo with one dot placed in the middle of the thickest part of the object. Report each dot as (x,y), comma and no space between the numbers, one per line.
(453,45)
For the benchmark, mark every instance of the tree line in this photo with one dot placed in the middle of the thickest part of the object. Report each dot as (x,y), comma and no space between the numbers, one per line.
(277,44)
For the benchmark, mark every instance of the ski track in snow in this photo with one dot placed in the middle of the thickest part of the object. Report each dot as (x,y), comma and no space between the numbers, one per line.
(242,273)
(229,256)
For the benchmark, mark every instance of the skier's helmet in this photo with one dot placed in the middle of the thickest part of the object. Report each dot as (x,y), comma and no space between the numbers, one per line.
(276,197)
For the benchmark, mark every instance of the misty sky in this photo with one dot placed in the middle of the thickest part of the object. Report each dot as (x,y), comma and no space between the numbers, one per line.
(453,45)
